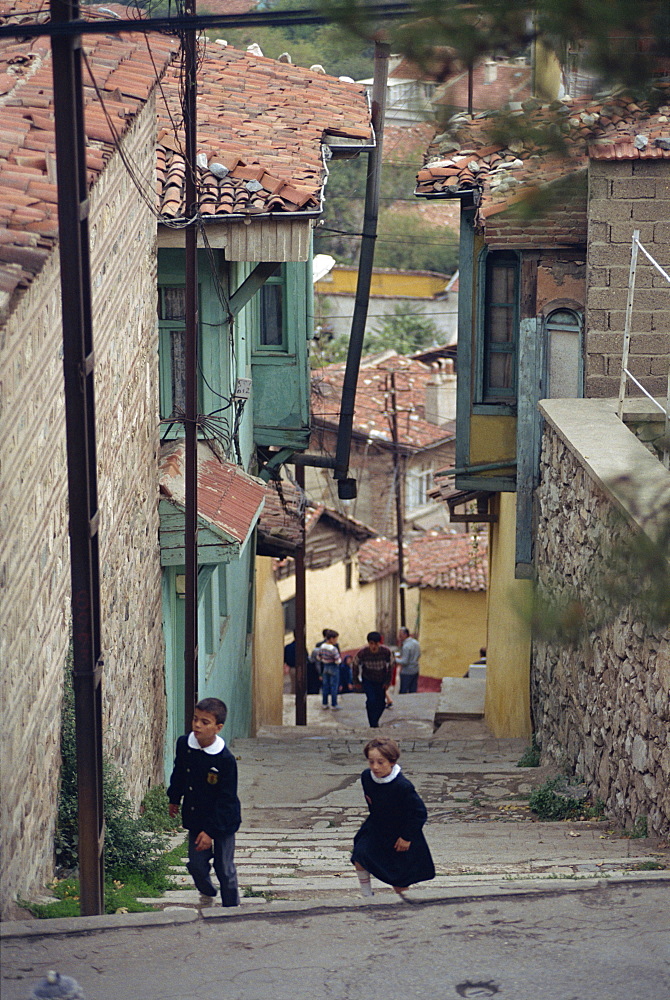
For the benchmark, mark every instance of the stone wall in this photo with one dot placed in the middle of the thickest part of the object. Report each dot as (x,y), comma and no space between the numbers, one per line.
(624,196)
(34,543)
(601,706)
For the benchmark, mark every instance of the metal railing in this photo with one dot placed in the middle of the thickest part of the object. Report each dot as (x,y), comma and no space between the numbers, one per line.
(625,373)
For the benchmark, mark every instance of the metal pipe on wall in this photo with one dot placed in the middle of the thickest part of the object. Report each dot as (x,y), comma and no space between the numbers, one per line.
(382,50)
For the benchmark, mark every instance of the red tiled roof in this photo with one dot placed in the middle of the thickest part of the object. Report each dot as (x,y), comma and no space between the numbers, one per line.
(372,409)
(228,498)
(125,75)
(500,175)
(377,558)
(261,125)
(447,561)
(279,523)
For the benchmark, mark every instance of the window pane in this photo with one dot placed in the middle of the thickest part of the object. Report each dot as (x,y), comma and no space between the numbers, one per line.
(502,284)
(500,370)
(501,324)
(272,326)
(172,303)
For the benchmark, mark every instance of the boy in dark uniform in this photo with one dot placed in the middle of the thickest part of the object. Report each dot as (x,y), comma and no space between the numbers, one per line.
(205,776)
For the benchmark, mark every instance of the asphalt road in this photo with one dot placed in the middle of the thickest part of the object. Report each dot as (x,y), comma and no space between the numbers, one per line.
(602,943)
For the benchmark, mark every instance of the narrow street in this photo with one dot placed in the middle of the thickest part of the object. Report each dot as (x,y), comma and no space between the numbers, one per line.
(580,893)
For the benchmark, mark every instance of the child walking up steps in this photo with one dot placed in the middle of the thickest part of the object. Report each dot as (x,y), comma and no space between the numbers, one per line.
(390,844)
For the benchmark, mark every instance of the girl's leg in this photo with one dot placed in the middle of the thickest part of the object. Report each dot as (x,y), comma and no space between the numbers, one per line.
(364,880)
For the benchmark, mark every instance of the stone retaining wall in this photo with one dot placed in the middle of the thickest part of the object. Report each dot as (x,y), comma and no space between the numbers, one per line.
(601,707)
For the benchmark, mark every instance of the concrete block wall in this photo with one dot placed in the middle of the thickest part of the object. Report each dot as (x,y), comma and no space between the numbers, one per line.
(624,196)
(34,543)
(601,706)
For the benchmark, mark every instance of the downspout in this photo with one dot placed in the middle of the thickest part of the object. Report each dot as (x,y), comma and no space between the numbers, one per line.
(346,487)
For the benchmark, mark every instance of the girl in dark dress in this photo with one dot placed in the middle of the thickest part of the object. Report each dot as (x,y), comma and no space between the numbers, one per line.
(390,844)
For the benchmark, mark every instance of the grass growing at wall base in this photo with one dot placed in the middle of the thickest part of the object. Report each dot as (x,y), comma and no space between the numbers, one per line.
(121,893)
(553,801)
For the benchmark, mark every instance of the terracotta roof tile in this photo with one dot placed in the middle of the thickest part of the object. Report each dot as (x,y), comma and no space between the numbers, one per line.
(453,561)
(27,132)
(377,558)
(371,416)
(257,117)
(498,175)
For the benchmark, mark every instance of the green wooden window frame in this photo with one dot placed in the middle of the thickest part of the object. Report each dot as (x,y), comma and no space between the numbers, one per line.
(214,354)
(172,342)
(282,300)
(498,328)
(273,322)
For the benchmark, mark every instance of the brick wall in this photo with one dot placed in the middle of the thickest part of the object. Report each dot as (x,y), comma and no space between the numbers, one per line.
(34,549)
(623,196)
(555,218)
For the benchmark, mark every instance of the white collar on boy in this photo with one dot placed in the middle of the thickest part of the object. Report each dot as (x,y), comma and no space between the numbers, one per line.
(215,747)
(389,777)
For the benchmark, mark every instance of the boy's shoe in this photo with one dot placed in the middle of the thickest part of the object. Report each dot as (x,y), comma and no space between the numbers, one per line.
(324,706)
(206,900)
(335,708)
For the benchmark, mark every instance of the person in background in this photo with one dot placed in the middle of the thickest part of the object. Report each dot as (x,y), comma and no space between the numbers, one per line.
(408,661)
(372,664)
(346,676)
(328,657)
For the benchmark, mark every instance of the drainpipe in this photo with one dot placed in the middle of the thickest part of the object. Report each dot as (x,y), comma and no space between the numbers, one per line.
(300,616)
(346,487)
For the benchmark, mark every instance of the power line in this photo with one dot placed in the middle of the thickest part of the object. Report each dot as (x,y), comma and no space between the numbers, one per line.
(199,22)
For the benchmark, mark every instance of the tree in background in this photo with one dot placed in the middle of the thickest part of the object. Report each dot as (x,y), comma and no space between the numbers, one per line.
(405,329)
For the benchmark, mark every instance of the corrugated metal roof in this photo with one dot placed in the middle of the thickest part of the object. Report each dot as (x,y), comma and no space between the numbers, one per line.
(229,499)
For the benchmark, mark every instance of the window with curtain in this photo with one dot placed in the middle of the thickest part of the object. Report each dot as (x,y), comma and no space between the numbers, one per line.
(501,320)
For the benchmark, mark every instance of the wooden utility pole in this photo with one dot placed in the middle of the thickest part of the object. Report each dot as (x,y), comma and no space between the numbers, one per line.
(191,364)
(397,481)
(78,373)
(300,614)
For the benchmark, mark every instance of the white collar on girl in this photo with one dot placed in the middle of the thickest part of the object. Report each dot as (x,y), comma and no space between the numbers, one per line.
(215,747)
(389,777)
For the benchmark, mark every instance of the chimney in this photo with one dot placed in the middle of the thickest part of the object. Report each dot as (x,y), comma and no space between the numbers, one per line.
(440,398)
(490,71)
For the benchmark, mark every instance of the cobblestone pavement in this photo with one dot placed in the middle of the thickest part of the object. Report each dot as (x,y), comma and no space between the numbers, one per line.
(302,804)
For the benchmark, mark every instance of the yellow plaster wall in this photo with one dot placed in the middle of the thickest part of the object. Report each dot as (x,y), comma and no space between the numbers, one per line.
(453,629)
(268,662)
(508,641)
(329,604)
(492,439)
(421,284)
(546,72)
